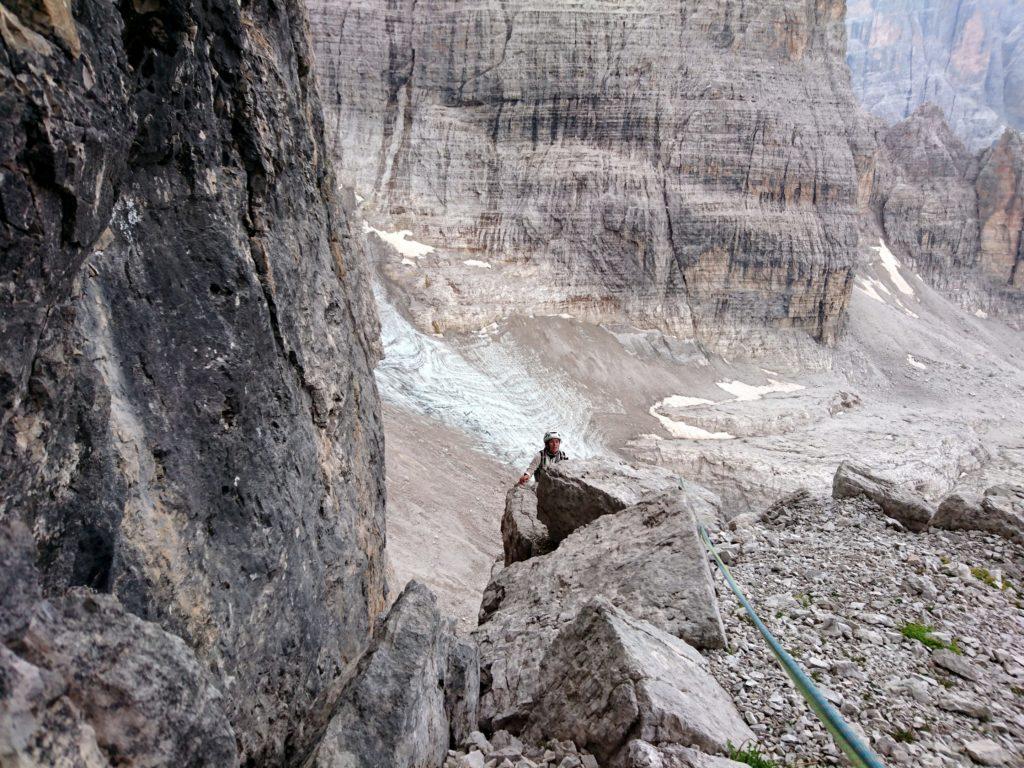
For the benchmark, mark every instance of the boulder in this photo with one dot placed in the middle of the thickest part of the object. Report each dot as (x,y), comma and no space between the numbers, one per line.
(88,682)
(608,675)
(522,533)
(394,711)
(462,689)
(999,511)
(641,754)
(910,510)
(572,494)
(647,559)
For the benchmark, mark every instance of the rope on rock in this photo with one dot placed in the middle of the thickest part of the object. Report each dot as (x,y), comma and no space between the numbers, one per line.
(858,753)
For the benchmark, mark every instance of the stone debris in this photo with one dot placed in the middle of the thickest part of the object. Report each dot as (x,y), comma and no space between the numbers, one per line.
(647,559)
(608,675)
(504,750)
(522,533)
(917,639)
(910,510)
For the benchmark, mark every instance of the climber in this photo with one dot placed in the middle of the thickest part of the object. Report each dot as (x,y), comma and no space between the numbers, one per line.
(550,455)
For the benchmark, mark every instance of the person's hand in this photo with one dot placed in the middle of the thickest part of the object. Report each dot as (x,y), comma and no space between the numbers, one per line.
(523,479)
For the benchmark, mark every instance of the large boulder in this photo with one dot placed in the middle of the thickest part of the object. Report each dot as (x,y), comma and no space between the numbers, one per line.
(852,481)
(608,676)
(85,683)
(641,754)
(574,493)
(999,511)
(522,533)
(395,711)
(648,559)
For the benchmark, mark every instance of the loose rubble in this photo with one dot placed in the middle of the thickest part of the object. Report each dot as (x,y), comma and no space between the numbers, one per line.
(917,639)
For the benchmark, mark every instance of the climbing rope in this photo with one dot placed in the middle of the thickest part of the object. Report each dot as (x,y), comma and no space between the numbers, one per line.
(854,748)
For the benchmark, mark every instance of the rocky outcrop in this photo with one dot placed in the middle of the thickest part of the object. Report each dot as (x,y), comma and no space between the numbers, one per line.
(395,712)
(852,481)
(956,218)
(641,754)
(966,57)
(608,678)
(522,533)
(999,511)
(462,689)
(87,683)
(575,493)
(646,559)
(189,419)
(691,169)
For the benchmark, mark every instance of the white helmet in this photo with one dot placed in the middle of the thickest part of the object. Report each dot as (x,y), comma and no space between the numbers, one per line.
(552,435)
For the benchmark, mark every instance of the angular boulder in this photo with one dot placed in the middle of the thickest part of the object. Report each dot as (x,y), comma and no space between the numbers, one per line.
(394,712)
(999,511)
(522,533)
(608,675)
(647,559)
(462,689)
(853,480)
(574,493)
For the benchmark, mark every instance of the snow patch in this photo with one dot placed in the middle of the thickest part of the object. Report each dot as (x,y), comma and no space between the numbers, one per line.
(400,241)
(476,263)
(409,262)
(892,266)
(981,313)
(745,392)
(871,287)
(682,401)
(683,430)
(916,363)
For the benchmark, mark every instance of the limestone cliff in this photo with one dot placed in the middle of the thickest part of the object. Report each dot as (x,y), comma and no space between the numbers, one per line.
(966,56)
(691,167)
(956,217)
(190,421)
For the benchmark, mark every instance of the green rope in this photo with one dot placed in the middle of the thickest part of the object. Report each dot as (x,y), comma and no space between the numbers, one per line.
(854,748)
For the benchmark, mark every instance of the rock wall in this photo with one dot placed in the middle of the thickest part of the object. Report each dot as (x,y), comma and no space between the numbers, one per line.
(692,167)
(956,217)
(966,56)
(190,421)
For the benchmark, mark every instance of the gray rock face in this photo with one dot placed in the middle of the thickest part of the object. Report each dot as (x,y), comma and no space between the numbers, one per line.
(690,168)
(966,57)
(647,559)
(522,533)
(999,511)
(87,683)
(394,712)
(575,493)
(462,690)
(608,676)
(852,481)
(955,217)
(189,420)
(644,755)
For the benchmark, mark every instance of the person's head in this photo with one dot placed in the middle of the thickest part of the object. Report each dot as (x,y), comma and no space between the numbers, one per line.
(552,441)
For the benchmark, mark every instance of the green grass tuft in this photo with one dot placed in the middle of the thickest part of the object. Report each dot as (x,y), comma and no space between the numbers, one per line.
(982,575)
(751,756)
(923,634)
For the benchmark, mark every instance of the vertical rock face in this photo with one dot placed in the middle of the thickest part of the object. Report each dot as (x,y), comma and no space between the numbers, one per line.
(955,216)
(966,56)
(685,165)
(190,421)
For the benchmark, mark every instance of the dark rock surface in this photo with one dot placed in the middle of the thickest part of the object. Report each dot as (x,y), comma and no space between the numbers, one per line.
(646,559)
(84,682)
(852,481)
(189,419)
(394,712)
(523,535)
(608,678)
